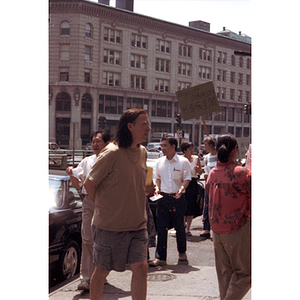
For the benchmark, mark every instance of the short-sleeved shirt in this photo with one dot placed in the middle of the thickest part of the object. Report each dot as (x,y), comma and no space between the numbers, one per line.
(172,173)
(229,190)
(120,177)
(82,170)
(211,161)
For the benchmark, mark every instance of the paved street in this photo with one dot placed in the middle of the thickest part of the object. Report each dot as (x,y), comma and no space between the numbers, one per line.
(195,279)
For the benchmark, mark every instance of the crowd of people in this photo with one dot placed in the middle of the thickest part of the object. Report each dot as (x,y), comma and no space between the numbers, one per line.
(117,219)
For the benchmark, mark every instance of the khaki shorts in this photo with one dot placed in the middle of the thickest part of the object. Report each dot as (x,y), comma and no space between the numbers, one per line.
(113,250)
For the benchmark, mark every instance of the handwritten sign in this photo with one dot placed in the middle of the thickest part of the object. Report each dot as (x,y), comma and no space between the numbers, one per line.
(197,101)
(243,144)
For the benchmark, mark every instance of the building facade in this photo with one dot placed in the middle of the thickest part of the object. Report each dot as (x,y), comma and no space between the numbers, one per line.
(104,60)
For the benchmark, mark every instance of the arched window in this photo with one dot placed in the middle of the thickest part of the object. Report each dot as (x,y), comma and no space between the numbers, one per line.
(63,102)
(248,63)
(86,105)
(232,60)
(241,62)
(65,28)
(88,30)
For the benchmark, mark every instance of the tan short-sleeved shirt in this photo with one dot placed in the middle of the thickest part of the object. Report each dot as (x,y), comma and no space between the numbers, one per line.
(120,175)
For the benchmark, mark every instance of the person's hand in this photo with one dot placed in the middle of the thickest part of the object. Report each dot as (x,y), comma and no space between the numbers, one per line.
(198,169)
(157,191)
(178,194)
(69,171)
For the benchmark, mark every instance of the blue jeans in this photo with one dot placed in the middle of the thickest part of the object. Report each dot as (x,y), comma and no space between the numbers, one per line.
(170,209)
(206,224)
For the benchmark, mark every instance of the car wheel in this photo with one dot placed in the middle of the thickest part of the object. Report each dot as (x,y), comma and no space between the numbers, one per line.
(70,261)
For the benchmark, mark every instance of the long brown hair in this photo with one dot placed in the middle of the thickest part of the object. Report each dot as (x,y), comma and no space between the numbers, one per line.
(123,135)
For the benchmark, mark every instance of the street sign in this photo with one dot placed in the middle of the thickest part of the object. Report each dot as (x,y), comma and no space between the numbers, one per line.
(197,101)
(179,133)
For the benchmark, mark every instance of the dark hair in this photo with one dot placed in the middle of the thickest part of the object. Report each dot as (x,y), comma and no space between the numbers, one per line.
(186,145)
(104,134)
(225,144)
(123,135)
(171,141)
(210,141)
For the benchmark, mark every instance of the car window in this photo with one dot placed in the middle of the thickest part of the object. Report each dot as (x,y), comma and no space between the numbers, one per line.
(55,193)
(77,198)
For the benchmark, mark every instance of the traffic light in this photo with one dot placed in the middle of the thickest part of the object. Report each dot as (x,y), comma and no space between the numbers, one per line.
(102,122)
(178,120)
(246,109)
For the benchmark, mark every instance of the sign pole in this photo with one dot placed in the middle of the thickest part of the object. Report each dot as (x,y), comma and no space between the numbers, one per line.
(205,126)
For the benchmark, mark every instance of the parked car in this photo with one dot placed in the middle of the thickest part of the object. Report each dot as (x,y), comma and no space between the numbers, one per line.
(65,215)
(153,145)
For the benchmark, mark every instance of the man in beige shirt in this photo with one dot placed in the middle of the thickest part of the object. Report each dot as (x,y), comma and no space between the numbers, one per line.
(116,184)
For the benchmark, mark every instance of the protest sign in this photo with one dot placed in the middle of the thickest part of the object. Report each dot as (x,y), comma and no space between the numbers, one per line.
(197,101)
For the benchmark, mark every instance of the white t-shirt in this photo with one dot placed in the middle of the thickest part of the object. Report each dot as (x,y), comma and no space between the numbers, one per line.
(83,169)
(172,173)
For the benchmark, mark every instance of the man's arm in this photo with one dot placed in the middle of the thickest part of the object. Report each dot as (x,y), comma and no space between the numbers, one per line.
(74,180)
(90,188)
(157,187)
(184,185)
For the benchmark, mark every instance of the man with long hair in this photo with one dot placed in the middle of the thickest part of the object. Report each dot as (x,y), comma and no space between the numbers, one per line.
(116,184)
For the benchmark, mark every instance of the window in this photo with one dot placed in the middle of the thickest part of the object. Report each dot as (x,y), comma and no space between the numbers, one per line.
(238,113)
(183,85)
(241,62)
(232,94)
(88,53)
(248,63)
(232,77)
(138,61)
(87,76)
(232,60)
(88,30)
(223,93)
(138,41)
(248,77)
(185,51)
(137,103)
(111,79)
(240,94)
(112,57)
(240,78)
(204,72)
(138,82)
(219,75)
(222,57)
(64,74)
(205,54)
(111,104)
(162,85)
(65,52)
(63,102)
(86,103)
(224,76)
(161,108)
(163,65)
(65,29)
(184,69)
(230,114)
(112,35)
(163,46)
(248,96)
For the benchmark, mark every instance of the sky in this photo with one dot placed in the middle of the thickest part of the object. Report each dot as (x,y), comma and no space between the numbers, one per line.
(232,14)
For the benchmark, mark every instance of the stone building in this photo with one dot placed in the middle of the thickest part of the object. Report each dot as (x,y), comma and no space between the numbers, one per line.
(104,60)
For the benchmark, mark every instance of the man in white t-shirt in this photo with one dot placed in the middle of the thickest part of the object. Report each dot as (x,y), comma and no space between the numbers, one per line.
(99,140)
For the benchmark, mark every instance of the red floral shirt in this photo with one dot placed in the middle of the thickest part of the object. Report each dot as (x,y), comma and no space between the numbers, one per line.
(229,189)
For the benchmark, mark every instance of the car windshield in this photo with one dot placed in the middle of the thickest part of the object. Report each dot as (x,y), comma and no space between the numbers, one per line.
(55,193)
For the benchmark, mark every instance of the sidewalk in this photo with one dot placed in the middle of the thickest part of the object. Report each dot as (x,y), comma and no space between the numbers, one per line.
(193,280)
(173,282)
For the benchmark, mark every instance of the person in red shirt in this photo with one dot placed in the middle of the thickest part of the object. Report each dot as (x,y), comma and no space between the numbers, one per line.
(229,190)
